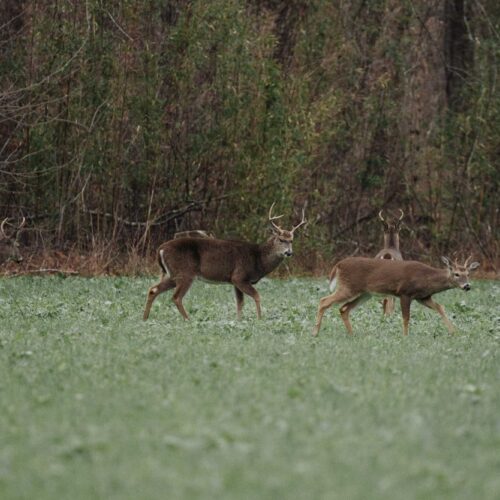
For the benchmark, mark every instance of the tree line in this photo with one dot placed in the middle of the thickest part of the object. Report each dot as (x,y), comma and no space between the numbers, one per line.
(122,122)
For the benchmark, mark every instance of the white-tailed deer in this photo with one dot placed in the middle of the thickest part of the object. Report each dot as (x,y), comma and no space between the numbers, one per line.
(391,249)
(194,233)
(221,261)
(9,244)
(357,278)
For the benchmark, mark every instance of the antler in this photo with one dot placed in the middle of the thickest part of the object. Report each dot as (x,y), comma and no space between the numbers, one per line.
(2,227)
(303,221)
(467,260)
(402,214)
(380,215)
(271,218)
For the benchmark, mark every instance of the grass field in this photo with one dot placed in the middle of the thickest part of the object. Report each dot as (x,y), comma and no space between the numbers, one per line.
(95,403)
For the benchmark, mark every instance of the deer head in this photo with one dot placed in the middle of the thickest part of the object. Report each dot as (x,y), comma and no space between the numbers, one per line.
(9,244)
(282,239)
(391,225)
(458,275)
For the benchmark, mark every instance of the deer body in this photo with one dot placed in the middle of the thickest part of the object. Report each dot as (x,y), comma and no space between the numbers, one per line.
(358,278)
(220,261)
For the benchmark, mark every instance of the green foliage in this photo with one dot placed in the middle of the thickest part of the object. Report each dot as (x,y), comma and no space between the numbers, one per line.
(121,112)
(97,403)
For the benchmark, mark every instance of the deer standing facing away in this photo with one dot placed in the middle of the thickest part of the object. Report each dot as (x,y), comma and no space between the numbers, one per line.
(391,250)
(221,261)
(9,244)
(357,278)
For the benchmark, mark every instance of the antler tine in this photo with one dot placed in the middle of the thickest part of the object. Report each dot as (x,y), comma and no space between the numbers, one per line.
(467,260)
(402,214)
(2,226)
(271,218)
(23,222)
(380,215)
(302,222)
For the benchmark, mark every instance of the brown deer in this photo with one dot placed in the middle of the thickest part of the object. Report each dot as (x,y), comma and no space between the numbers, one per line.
(221,261)
(9,244)
(391,250)
(357,278)
(194,233)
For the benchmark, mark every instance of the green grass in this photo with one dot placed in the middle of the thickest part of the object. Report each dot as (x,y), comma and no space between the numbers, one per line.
(95,403)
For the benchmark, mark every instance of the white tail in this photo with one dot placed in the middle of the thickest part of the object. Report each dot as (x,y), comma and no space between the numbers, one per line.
(358,278)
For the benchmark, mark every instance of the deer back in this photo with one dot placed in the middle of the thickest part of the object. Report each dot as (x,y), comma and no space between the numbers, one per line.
(211,259)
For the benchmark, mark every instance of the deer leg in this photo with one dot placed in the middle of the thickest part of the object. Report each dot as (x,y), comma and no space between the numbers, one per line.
(347,308)
(405,311)
(154,291)
(325,303)
(388,305)
(440,310)
(250,290)
(239,301)
(183,285)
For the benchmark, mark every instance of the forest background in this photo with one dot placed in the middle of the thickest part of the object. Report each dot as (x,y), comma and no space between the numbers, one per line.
(122,122)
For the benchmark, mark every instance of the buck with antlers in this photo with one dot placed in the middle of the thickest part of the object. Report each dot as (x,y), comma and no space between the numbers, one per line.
(9,244)
(221,261)
(391,249)
(357,278)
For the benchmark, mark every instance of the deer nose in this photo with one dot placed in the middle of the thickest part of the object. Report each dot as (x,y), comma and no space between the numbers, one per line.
(288,253)
(466,287)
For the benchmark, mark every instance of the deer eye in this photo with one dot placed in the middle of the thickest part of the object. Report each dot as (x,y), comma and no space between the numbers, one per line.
(457,275)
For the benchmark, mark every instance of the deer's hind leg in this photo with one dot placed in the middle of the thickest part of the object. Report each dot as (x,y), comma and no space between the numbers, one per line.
(347,308)
(428,302)
(183,283)
(164,285)
(326,302)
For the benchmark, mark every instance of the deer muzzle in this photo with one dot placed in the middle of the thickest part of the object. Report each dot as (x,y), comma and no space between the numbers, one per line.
(466,287)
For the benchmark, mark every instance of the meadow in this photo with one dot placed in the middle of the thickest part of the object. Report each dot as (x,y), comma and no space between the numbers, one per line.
(96,403)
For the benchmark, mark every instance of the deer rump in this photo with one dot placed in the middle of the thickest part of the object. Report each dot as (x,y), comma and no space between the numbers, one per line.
(212,260)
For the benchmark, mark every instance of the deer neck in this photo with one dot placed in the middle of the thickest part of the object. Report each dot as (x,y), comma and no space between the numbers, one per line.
(441,281)
(270,260)
(391,240)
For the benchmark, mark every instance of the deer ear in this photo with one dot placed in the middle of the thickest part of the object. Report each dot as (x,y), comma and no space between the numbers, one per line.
(473,266)
(446,262)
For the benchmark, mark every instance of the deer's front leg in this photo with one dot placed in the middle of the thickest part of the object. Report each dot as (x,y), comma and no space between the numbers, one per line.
(239,301)
(405,311)
(247,288)
(440,310)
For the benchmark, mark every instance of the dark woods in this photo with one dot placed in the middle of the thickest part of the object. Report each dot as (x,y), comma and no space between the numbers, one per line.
(122,122)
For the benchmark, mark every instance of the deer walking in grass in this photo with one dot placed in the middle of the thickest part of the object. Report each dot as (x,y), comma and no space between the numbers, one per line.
(357,278)
(391,250)
(9,244)
(240,263)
